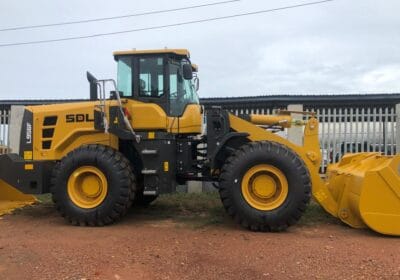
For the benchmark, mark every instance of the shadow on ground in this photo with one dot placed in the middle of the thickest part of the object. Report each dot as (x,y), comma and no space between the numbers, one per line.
(195,210)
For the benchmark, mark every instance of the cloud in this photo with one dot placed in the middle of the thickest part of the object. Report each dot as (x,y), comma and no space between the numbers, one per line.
(382,79)
(338,47)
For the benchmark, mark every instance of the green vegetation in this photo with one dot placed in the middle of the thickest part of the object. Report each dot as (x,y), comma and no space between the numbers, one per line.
(194,209)
(44,198)
(316,215)
(204,209)
(199,210)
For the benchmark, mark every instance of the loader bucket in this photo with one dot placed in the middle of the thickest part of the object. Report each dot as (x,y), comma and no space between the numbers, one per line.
(11,199)
(366,187)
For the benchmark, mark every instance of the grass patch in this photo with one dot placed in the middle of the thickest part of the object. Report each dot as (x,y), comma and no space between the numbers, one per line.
(44,198)
(195,209)
(199,210)
(315,214)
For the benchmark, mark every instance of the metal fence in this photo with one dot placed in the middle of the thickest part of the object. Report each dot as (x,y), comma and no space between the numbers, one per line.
(353,130)
(346,128)
(4,135)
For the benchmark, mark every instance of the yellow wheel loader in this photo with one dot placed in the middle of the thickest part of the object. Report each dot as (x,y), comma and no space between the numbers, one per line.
(99,157)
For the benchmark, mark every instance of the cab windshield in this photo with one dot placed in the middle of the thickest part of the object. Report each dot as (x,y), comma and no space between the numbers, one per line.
(182,92)
(150,81)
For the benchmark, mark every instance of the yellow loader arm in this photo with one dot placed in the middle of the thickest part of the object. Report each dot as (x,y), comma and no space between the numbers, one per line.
(310,153)
(362,190)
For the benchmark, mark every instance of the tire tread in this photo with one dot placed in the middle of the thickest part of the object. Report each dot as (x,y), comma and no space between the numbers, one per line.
(126,183)
(235,210)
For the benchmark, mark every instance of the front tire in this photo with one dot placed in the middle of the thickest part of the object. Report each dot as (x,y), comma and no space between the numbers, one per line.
(93,185)
(265,186)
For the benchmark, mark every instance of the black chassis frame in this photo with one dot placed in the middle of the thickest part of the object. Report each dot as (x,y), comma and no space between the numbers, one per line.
(189,157)
(29,177)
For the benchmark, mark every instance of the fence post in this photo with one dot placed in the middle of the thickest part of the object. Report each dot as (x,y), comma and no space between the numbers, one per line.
(295,133)
(15,122)
(194,186)
(397,128)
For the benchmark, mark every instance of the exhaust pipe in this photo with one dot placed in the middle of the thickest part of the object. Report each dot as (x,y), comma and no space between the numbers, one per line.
(93,85)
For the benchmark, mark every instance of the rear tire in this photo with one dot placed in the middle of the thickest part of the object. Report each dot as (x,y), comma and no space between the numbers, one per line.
(93,185)
(265,186)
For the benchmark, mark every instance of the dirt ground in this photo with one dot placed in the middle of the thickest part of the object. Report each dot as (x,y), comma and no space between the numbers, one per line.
(36,243)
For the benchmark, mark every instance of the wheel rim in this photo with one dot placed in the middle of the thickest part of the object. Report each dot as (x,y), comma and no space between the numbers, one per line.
(264,187)
(87,187)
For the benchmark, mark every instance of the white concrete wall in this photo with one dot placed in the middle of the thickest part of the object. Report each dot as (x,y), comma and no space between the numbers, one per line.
(17,113)
(398,128)
(295,133)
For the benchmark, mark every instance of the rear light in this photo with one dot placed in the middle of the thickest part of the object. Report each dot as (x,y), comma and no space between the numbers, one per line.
(127,114)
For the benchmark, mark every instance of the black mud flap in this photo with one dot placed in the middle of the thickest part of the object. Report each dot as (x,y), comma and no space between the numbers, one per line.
(29,177)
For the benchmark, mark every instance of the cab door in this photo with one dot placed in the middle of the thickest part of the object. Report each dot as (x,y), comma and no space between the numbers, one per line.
(148,103)
(185,114)
(150,75)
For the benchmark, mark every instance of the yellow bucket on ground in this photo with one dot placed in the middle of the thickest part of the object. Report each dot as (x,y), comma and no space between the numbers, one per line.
(11,198)
(366,187)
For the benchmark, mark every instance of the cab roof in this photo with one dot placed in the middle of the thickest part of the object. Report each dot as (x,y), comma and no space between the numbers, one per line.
(182,52)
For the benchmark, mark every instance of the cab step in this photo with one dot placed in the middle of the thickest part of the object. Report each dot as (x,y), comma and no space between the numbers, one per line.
(149,152)
(149,171)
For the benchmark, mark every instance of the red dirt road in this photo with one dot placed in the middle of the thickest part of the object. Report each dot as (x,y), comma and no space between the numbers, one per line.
(37,244)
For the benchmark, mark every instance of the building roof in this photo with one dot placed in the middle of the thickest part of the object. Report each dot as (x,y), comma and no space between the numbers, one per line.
(322,100)
(339,100)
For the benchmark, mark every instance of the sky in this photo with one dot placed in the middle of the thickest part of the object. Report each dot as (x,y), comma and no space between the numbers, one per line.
(338,47)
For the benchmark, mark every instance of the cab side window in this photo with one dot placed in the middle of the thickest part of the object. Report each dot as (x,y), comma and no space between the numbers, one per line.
(176,94)
(151,77)
(124,77)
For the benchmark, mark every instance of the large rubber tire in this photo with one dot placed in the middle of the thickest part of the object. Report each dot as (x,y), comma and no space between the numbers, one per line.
(283,159)
(120,189)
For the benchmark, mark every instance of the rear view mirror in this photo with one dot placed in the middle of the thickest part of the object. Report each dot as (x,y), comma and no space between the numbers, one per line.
(196,83)
(187,72)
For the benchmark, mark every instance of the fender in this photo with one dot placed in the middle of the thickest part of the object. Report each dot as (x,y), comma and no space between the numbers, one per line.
(222,144)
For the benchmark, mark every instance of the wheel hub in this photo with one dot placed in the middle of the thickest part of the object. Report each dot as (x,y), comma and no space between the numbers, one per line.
(91,185)
(264,187)
(87,187)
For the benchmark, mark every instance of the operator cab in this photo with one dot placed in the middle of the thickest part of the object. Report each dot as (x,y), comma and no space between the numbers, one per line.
(164,77)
